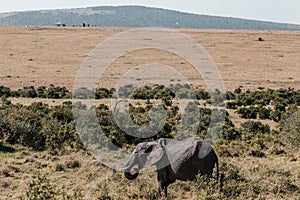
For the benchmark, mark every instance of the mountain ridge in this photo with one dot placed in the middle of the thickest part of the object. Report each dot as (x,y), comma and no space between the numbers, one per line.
(136,16)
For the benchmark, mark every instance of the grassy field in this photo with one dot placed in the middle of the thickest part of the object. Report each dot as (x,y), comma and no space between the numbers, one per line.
(258,168)
(49,55)
(77,175)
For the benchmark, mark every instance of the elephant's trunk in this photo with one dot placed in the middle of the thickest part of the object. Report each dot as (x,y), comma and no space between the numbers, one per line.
(127,170)
(130,176)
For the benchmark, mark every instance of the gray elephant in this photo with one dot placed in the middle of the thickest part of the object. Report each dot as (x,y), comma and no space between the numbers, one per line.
(173,159)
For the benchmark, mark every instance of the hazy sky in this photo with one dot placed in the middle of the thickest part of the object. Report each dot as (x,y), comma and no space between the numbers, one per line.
(269,10)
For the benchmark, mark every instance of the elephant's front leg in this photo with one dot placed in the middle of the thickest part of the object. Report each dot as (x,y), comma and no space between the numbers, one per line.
(162,182)
(162,187)
(166,191)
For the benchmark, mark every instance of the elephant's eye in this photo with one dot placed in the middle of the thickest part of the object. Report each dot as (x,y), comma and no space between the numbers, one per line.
(149,149)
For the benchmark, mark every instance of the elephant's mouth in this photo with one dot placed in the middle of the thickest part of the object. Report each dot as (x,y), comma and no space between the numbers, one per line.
(129,175)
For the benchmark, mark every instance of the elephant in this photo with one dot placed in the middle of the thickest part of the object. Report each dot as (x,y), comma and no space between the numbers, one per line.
(174,160)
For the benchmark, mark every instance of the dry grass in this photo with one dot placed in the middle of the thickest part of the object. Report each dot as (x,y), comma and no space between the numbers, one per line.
(82,177)
(49,55)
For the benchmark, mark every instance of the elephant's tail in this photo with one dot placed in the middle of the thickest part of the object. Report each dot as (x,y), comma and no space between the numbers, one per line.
(217,165)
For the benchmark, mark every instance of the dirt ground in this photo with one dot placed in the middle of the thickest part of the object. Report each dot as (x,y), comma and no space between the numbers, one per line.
(53,55)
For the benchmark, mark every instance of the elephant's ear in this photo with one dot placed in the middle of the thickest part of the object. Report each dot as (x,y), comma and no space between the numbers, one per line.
(155,153)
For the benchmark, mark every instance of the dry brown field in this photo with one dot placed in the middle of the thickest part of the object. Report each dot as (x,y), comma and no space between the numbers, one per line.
(52,55)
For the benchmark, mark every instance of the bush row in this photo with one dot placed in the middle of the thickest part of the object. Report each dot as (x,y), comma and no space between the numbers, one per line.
(54,92)
(128,91)
(38,126)
(42,127)
(279,99)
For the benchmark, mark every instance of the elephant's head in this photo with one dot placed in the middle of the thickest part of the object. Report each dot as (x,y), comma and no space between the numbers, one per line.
(145,155)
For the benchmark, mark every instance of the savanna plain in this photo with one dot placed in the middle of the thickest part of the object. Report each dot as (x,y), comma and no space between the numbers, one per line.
(42,156)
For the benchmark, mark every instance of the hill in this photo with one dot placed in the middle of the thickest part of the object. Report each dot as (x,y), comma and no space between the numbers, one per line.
(136,16)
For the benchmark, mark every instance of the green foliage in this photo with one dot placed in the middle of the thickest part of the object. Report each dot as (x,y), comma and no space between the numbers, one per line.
(234,184)
(231,105)
(41,92)
(42,127)
(20,125)
(56,92)
(290,126)
(53,128)
(201,94)
(255,127)
(252,112)
(58,135)
(40,188)
(231,133)
(52,92)
(28,92)
(247,113)
(4,91)
(39,127)
(147,92)
(102,93)
(263,112)
(156,91)
(267,104)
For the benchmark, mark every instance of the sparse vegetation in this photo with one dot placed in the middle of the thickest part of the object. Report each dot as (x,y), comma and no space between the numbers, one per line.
(48,134)
(290,126)
(255,165)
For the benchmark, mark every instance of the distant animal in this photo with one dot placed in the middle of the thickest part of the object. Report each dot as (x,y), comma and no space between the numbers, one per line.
(260,39)
(174,160)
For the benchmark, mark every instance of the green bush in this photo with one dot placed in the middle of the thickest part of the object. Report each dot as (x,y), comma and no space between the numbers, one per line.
(264,113)
(41,92)
(28,92)
(275,115)
(56,92)
(40,188)
(247,113)
(42,127)
(22,126)
(231,133)
(4,91)
(102,93)
(38,126)
(231,105)
(255,127)
(290,126)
